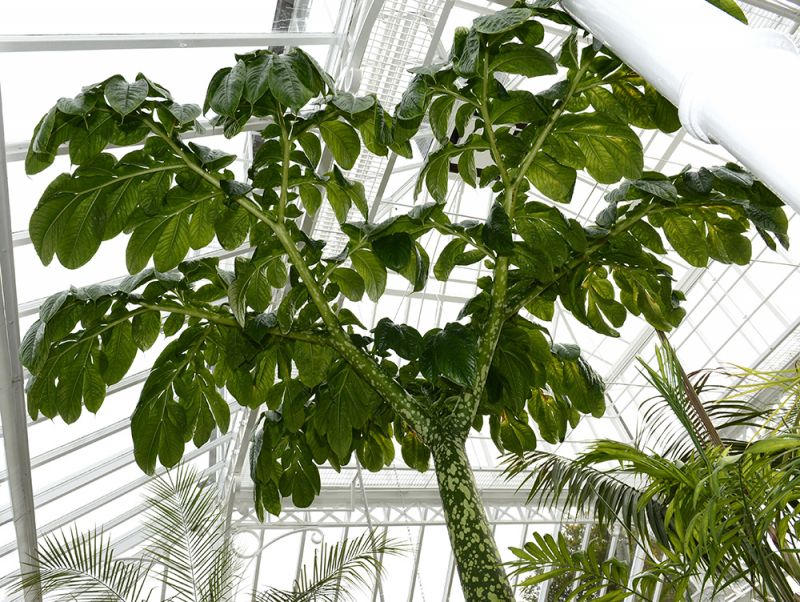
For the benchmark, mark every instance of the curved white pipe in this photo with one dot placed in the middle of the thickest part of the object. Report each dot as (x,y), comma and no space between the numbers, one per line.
(735,86)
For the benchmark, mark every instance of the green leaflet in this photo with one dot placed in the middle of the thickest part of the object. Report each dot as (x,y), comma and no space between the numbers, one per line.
(516,434)
(349,282)
(342,141)
(686,239)
(612,149)
(415,453)
(497,232)
(439,116)
(256,79)
(518,106)
(394,250)
(123,97)
(414,100)
(371,271)
(118,352)
(502,21)
(451,353)
(292,79)
(447,258)
(376,451)
(552,179)
(518,365)
(402,339)
(353,104)
(312,361)
(227,93)
(345,404)
(522,59)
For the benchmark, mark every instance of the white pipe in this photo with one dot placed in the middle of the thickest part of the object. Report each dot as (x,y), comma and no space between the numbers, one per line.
(734,86)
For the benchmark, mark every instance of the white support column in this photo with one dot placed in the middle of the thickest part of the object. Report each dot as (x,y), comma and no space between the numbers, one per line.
(12,396)
(734,86)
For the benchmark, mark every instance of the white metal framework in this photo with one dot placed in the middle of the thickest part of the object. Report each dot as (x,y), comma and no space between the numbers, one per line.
(55,476)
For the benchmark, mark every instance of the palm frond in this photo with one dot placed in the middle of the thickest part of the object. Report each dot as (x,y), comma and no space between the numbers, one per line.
(669,380)
(81,566)
(188,536)
(608,495)
(775,393)
(338,570)
(662,433)
(589,577)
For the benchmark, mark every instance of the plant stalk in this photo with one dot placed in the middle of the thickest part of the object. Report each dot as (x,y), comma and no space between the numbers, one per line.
(483,578)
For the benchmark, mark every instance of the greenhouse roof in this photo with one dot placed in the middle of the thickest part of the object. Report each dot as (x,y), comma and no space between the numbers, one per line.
(86,475)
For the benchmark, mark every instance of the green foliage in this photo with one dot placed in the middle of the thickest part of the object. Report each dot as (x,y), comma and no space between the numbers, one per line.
(718,513)
(338,572)
(580,575)
(186,535)
(270,329)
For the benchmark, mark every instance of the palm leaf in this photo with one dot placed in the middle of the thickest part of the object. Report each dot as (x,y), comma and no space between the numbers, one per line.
(188,536)
(337,571)
(674,388)
(589,576)
(606,494)
(81,566)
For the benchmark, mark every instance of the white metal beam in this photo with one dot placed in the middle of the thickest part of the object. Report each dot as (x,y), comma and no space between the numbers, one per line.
(12,396)
(50,43)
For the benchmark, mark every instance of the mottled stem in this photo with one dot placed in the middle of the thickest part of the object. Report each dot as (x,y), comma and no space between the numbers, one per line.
(483,578)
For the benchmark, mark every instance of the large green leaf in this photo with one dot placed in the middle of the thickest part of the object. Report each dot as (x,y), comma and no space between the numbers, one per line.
(439,117)
(173,244)
(522,59)
(414,100)
(552,179)
(119,351)
(371,271)
(89,140)
(312,361)
(250,282)
(353,104)
(394,251)
(225,98)
(686,238)
(550,416)
(349,282)
(516,434)
(501,21)
(451,353)
(518,106)
(256,80)
(345,404)
(447,258)
(497,232)
(291,80)
(402,339)
(613,151)
(342,141)
(123,97)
